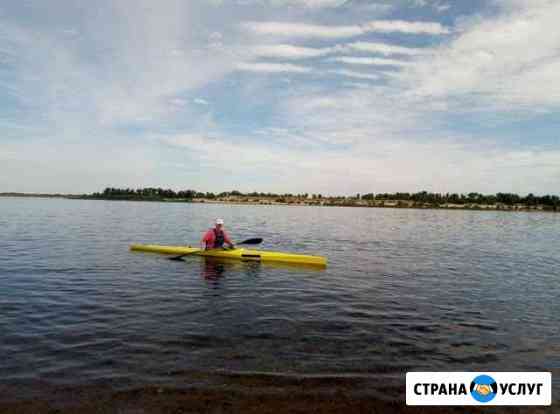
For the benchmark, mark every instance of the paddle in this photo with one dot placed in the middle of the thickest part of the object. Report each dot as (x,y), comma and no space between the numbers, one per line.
(256,240)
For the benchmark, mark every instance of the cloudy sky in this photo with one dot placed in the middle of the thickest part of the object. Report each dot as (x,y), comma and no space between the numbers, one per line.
(329,96)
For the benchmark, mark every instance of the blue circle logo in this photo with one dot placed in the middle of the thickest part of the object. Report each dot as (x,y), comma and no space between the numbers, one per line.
(484,388)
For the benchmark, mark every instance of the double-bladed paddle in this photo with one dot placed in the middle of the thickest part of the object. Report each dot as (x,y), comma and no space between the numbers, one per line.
(256,240)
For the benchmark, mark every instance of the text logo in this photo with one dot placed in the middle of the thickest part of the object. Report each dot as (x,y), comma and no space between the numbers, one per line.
(484,388)
(472,388)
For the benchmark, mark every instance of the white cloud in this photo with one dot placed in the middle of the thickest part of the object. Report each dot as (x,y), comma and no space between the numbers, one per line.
(289,51)
(312,4)
(351,116)
(369,61)
(381,164)
(440,8)
(70,32)
(6,155)
(438,5)
(357,85)
(286,29)
(309,4)
(303,30)
(75,167)
(384,48)
(292,52)
(217,152)
(384,142)
(178,102)
(215,40)
(272,67)
(354,74)
(512,61)
(80,94)
(520,5)
(125,73)
(402,26)
(395,143)
(215,36)
(371,7)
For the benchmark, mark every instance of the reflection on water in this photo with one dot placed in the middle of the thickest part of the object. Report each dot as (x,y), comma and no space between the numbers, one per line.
(212,270)
(215,267)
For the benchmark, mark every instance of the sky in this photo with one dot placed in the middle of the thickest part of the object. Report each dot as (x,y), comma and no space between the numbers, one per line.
(288,96)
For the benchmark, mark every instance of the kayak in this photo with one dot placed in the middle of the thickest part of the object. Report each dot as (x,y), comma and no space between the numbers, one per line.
(237,253)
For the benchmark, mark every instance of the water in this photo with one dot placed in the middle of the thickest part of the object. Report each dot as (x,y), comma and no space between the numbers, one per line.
(404,290)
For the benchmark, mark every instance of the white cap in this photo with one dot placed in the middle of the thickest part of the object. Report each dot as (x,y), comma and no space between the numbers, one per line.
(219,221)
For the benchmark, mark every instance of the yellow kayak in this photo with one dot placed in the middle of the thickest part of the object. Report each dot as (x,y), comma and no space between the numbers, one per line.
(237,253)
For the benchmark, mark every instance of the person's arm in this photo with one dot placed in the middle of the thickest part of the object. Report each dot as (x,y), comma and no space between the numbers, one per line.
(228,241)
(205,240)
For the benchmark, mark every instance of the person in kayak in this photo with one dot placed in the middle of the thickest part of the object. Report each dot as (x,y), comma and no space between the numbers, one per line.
(216,238)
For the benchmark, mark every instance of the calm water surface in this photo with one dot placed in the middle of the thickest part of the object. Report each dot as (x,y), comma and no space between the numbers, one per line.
(404,290)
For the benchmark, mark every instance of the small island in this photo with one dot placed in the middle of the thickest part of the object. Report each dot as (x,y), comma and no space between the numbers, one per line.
(422,199)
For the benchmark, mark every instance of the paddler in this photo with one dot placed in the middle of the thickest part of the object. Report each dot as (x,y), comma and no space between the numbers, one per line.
(216,238)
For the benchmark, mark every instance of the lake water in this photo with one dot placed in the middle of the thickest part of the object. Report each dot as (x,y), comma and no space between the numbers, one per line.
(403,290)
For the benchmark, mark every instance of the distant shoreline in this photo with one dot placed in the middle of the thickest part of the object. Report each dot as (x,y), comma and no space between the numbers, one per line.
(38,195)
(323,202)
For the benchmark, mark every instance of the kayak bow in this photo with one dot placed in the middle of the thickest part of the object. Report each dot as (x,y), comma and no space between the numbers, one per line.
(238,253)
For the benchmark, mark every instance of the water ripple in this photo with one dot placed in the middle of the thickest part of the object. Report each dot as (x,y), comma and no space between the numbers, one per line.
(405,289)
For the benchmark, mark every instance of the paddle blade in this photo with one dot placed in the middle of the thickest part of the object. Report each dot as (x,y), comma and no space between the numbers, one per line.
(256,240)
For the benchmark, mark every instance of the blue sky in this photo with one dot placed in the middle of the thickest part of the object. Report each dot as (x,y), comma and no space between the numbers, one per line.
(328,96)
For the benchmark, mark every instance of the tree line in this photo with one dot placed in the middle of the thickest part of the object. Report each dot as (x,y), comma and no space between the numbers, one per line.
(510,199)
(161,193)
(470,198)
